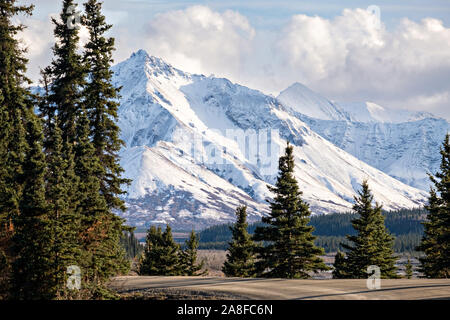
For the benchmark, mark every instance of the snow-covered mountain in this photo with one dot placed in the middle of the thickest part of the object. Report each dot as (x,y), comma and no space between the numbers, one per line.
(302,100)
(401,143)
(196,147)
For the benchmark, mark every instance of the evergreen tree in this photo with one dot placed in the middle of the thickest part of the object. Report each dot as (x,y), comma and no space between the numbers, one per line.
(43,104)
(170,254)
(67,74)
(189,265)
(409,269)
(340,266)
(99,169)
(436,239)
(289,251)
(15,104)
(63,201)
(372,245)
(5,205)
(4,275)
(241,251)
(149,264)
(101,103)
(32,268)
(60,108)
(100,229)
(4,175)
(161,254)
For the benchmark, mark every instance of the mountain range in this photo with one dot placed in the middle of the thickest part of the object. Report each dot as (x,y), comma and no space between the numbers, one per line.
(197,147)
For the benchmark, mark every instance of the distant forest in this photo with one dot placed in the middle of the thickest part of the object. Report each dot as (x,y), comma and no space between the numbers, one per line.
(405,225)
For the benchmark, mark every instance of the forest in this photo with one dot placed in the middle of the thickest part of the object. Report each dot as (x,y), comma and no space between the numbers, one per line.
(331,230)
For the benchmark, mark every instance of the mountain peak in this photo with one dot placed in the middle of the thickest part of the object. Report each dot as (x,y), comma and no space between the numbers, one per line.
(298,86)
(142,56)
(303,100)
(140,67)
(140,53)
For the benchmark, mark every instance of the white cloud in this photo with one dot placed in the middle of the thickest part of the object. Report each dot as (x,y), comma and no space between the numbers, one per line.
(201,40)
(349,57)
(37,38)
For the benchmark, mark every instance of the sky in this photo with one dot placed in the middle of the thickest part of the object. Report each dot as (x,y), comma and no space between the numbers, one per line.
(393,53)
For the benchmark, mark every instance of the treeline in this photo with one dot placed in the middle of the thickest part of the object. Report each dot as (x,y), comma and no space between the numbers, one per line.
(402,243)
(60,177)
(331,229)
(398,222)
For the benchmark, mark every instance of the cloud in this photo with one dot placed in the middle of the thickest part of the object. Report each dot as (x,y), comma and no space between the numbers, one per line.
(201,40)
(350,57)
(38,39)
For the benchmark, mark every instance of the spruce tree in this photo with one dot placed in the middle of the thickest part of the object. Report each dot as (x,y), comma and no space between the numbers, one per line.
(372,245)
(340,266)
(101,103)
(4,275)
(161,254)
(149,264)
(99,168)
(63,201)
(189,265)
(289,250)
(4,234)
(436,239)
(32,268)
(241,251)
(67,73)
(95,236)
(5,209)
(15,104)
(170,254)
(60,108)
(409,269)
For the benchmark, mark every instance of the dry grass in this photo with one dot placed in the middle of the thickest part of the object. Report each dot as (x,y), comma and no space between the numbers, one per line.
(214,260)
(177,294)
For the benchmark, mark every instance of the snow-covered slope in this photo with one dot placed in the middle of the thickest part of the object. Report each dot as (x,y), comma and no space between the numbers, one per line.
(182,133)
(372,112)
(300,99)
(401,143)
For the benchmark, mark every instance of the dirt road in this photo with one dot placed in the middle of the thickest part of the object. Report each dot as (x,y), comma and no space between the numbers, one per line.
(264,289)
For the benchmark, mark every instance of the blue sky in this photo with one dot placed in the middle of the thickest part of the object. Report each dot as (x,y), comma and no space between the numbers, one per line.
(330,46)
